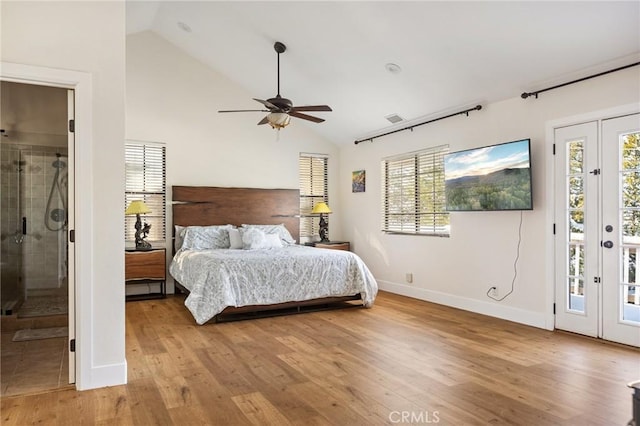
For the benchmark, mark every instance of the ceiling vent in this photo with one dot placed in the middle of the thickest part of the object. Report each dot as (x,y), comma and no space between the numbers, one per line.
(394,118)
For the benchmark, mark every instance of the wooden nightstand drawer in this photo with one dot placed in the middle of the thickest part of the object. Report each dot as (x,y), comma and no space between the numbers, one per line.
(145,265)
(338,245)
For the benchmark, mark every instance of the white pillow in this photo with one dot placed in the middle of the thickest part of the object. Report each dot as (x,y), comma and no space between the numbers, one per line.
(206,237)
(279,230)
(253,238)
(273,241)
(179,237)
(235,239)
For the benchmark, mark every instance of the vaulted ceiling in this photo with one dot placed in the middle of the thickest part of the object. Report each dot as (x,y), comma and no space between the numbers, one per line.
(451,55)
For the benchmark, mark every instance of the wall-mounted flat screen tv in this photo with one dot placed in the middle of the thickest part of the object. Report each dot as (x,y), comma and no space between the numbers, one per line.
(496,177)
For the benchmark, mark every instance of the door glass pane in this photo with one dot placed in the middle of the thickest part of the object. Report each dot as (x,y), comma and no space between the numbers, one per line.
(630,178)
(576,157)
(630,303)
(575,279)
(575,218)
(576,294)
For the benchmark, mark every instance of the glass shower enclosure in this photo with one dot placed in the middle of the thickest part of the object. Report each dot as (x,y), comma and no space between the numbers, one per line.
(33,240)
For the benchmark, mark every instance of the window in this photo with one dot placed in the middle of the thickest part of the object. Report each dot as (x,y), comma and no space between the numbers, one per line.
(313,190)
(413,198)
(145,180)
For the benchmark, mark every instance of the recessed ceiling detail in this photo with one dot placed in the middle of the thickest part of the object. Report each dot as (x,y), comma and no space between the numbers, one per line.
(393,68)
(184,27)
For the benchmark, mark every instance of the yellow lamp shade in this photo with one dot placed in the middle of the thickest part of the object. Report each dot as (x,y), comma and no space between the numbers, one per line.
(137,207)
(321,208)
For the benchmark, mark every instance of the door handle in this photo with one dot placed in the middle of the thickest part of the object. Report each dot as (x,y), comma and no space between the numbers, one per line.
(608,244)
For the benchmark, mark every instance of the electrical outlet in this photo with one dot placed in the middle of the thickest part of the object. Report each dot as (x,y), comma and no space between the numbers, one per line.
(493,291)
(409,277)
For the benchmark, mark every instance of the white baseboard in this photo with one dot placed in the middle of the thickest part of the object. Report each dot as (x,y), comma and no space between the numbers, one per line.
(492,309)
(106,375)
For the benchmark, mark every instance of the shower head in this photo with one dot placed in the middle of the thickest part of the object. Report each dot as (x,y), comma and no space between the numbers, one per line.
(59,164)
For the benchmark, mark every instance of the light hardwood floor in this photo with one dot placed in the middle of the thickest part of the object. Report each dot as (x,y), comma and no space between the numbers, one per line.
(428,363)
(35,365)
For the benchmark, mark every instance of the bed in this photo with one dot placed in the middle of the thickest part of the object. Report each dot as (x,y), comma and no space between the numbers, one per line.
(266,272)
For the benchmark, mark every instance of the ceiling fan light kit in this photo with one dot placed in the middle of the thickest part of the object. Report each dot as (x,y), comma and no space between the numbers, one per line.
(278,120)
(282,109)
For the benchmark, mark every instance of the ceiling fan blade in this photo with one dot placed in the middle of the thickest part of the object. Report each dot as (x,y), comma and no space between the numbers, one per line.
(306,117)
(312,108)
(245,110)
(266,103)
(263,121)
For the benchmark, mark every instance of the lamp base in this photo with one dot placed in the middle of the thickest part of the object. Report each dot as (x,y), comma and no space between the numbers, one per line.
(143,245)
(141,234)
(324,230)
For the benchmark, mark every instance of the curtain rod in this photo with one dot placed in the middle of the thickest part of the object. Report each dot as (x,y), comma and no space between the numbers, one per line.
(466,111)
(525,95)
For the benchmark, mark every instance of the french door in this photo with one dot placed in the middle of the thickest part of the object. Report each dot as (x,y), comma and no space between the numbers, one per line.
(597,217)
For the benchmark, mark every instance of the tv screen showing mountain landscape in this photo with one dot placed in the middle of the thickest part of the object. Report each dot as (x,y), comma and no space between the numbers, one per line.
(496,177)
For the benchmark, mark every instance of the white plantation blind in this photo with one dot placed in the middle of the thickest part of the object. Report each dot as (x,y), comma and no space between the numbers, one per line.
(145,177)
(313,190)
(413,197)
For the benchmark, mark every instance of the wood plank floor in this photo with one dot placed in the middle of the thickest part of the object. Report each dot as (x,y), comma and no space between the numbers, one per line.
(402,362)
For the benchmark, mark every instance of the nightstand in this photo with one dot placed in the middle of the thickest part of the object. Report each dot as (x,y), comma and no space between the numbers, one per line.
(334,245)
(146,267)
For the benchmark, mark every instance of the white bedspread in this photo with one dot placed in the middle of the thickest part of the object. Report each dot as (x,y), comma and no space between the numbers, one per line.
(220,278)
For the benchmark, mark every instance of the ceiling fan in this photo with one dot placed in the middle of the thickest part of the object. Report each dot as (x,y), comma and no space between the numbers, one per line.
(282,109)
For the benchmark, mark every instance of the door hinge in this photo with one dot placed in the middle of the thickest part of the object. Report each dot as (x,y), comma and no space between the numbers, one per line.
(596,280)
(554,309)
(72,235)
(72,345)
(72,126)
(554,149)
(595,172)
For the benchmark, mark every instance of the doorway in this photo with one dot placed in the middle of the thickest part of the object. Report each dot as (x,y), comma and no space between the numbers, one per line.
(36,156)
(597,228)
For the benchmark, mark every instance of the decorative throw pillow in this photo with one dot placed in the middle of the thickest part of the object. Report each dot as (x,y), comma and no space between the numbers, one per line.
(206,237)
(272,241)
(235,238)
(253,238)
(279,230)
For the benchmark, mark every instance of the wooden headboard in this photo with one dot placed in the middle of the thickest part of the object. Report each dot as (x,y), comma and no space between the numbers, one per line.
(212,205)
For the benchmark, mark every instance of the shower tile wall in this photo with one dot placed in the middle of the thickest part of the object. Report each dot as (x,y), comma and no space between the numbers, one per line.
(43,250)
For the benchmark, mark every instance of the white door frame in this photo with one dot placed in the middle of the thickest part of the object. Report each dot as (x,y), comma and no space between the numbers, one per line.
(550,191)
(81,83)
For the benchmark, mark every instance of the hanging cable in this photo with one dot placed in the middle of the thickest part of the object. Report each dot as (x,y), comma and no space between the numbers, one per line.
(515,267)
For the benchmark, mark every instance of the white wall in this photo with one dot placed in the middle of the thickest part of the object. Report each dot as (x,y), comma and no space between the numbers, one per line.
(173,98)
(88,38)
(481,250)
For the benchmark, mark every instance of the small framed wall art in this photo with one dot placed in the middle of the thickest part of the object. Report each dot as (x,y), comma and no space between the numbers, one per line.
(358,181)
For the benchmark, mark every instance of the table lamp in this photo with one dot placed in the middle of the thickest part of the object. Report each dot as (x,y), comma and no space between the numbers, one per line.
(138,207)
(322,208)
